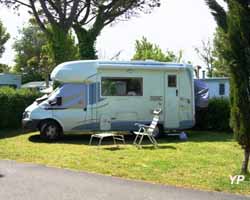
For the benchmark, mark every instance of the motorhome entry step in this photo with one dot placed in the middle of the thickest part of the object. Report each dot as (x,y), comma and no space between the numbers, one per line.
(100,136)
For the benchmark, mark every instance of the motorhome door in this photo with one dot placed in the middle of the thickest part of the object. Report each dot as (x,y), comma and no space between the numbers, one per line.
(171,100)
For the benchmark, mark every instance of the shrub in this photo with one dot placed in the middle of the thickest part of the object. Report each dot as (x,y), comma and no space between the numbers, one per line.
(215,117)
(12,105)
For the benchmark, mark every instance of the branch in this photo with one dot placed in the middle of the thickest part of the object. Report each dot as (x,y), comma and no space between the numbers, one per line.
(72,14)
(47,13)
(88,6)
(35,13)
(65,8)
(58,9)
(23,4)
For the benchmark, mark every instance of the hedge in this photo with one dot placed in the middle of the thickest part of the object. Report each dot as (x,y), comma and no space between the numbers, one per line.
(12,105)
(215,117)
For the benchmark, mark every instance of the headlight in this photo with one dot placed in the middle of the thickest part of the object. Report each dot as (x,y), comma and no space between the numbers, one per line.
(26,115)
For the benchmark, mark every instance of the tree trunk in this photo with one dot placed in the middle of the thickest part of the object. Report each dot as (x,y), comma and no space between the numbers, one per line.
(47,74)
(61,45)
(86,43)
(244,168)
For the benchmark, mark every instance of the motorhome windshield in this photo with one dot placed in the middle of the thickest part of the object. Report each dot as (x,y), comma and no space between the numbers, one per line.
(45,97)
(71,94)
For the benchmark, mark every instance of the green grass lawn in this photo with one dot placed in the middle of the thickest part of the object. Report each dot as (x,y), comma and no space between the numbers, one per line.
(205,161)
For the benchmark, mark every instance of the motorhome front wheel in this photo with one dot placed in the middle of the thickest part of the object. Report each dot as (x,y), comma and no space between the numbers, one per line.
(50,130)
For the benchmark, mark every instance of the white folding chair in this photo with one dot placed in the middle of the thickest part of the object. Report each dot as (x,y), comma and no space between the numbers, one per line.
(145,130)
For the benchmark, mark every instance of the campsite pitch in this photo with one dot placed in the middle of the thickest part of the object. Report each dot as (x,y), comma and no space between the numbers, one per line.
(206,161)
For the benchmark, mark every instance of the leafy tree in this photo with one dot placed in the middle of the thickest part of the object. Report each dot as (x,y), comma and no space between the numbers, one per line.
(4,36)
(220,65)
(28,50)
(235,24)
(98,14)
(4,68)
(205,52)
(46,63)
(55,19)
(145,50)
(87,17)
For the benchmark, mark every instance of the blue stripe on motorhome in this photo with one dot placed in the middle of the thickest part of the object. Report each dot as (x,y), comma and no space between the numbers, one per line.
(115,126)
(129,125)
(126,125)
(90,126)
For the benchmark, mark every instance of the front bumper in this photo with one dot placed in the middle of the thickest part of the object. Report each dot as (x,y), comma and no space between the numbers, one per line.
(30,124)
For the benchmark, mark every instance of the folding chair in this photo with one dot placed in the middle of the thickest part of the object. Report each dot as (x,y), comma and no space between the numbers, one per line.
(145,130)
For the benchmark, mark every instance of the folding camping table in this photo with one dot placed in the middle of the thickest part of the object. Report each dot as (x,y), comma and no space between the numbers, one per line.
(100,136)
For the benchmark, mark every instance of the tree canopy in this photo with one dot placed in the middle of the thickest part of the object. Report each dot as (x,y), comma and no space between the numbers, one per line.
(4,36)
(146,50)
(220,65)
(28,50)
(4,68)
(87,17)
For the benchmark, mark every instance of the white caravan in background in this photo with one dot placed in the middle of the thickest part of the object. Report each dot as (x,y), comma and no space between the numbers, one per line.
(113,95)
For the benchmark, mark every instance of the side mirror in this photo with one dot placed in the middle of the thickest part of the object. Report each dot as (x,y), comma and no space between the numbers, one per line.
(56,102)
(59,101)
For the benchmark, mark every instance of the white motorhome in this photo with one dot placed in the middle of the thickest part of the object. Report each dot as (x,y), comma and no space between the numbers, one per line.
(113,95)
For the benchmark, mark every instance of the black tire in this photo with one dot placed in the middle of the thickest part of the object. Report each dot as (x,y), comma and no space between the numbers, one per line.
(50,131)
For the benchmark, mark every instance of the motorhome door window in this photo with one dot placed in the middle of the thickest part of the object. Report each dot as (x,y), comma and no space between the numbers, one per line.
(112,86)
(171,80)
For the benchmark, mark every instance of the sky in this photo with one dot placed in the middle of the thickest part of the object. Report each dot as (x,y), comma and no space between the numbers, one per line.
(176,25)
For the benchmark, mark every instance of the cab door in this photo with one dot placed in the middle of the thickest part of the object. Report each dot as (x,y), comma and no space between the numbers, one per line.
(171,100)
(71,112)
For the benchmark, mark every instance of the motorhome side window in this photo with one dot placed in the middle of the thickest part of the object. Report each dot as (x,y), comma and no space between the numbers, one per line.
(112,86)
(222,89)
(171,80)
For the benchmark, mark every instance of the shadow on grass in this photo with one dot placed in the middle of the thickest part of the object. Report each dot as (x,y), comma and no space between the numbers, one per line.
(116,148)
(67,139)
(8,133)
(159,147)
(84,140)
(201,136)
(193,136)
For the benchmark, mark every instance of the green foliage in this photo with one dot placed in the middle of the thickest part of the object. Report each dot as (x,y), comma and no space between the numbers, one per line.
(86,43)
(61,45)
(13,104)
(28,50)
(4,68)
(146,50)
(219,114)
(239,37)
(215,117)
(220,64)
(37,53)
(4,36)
(237,55)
